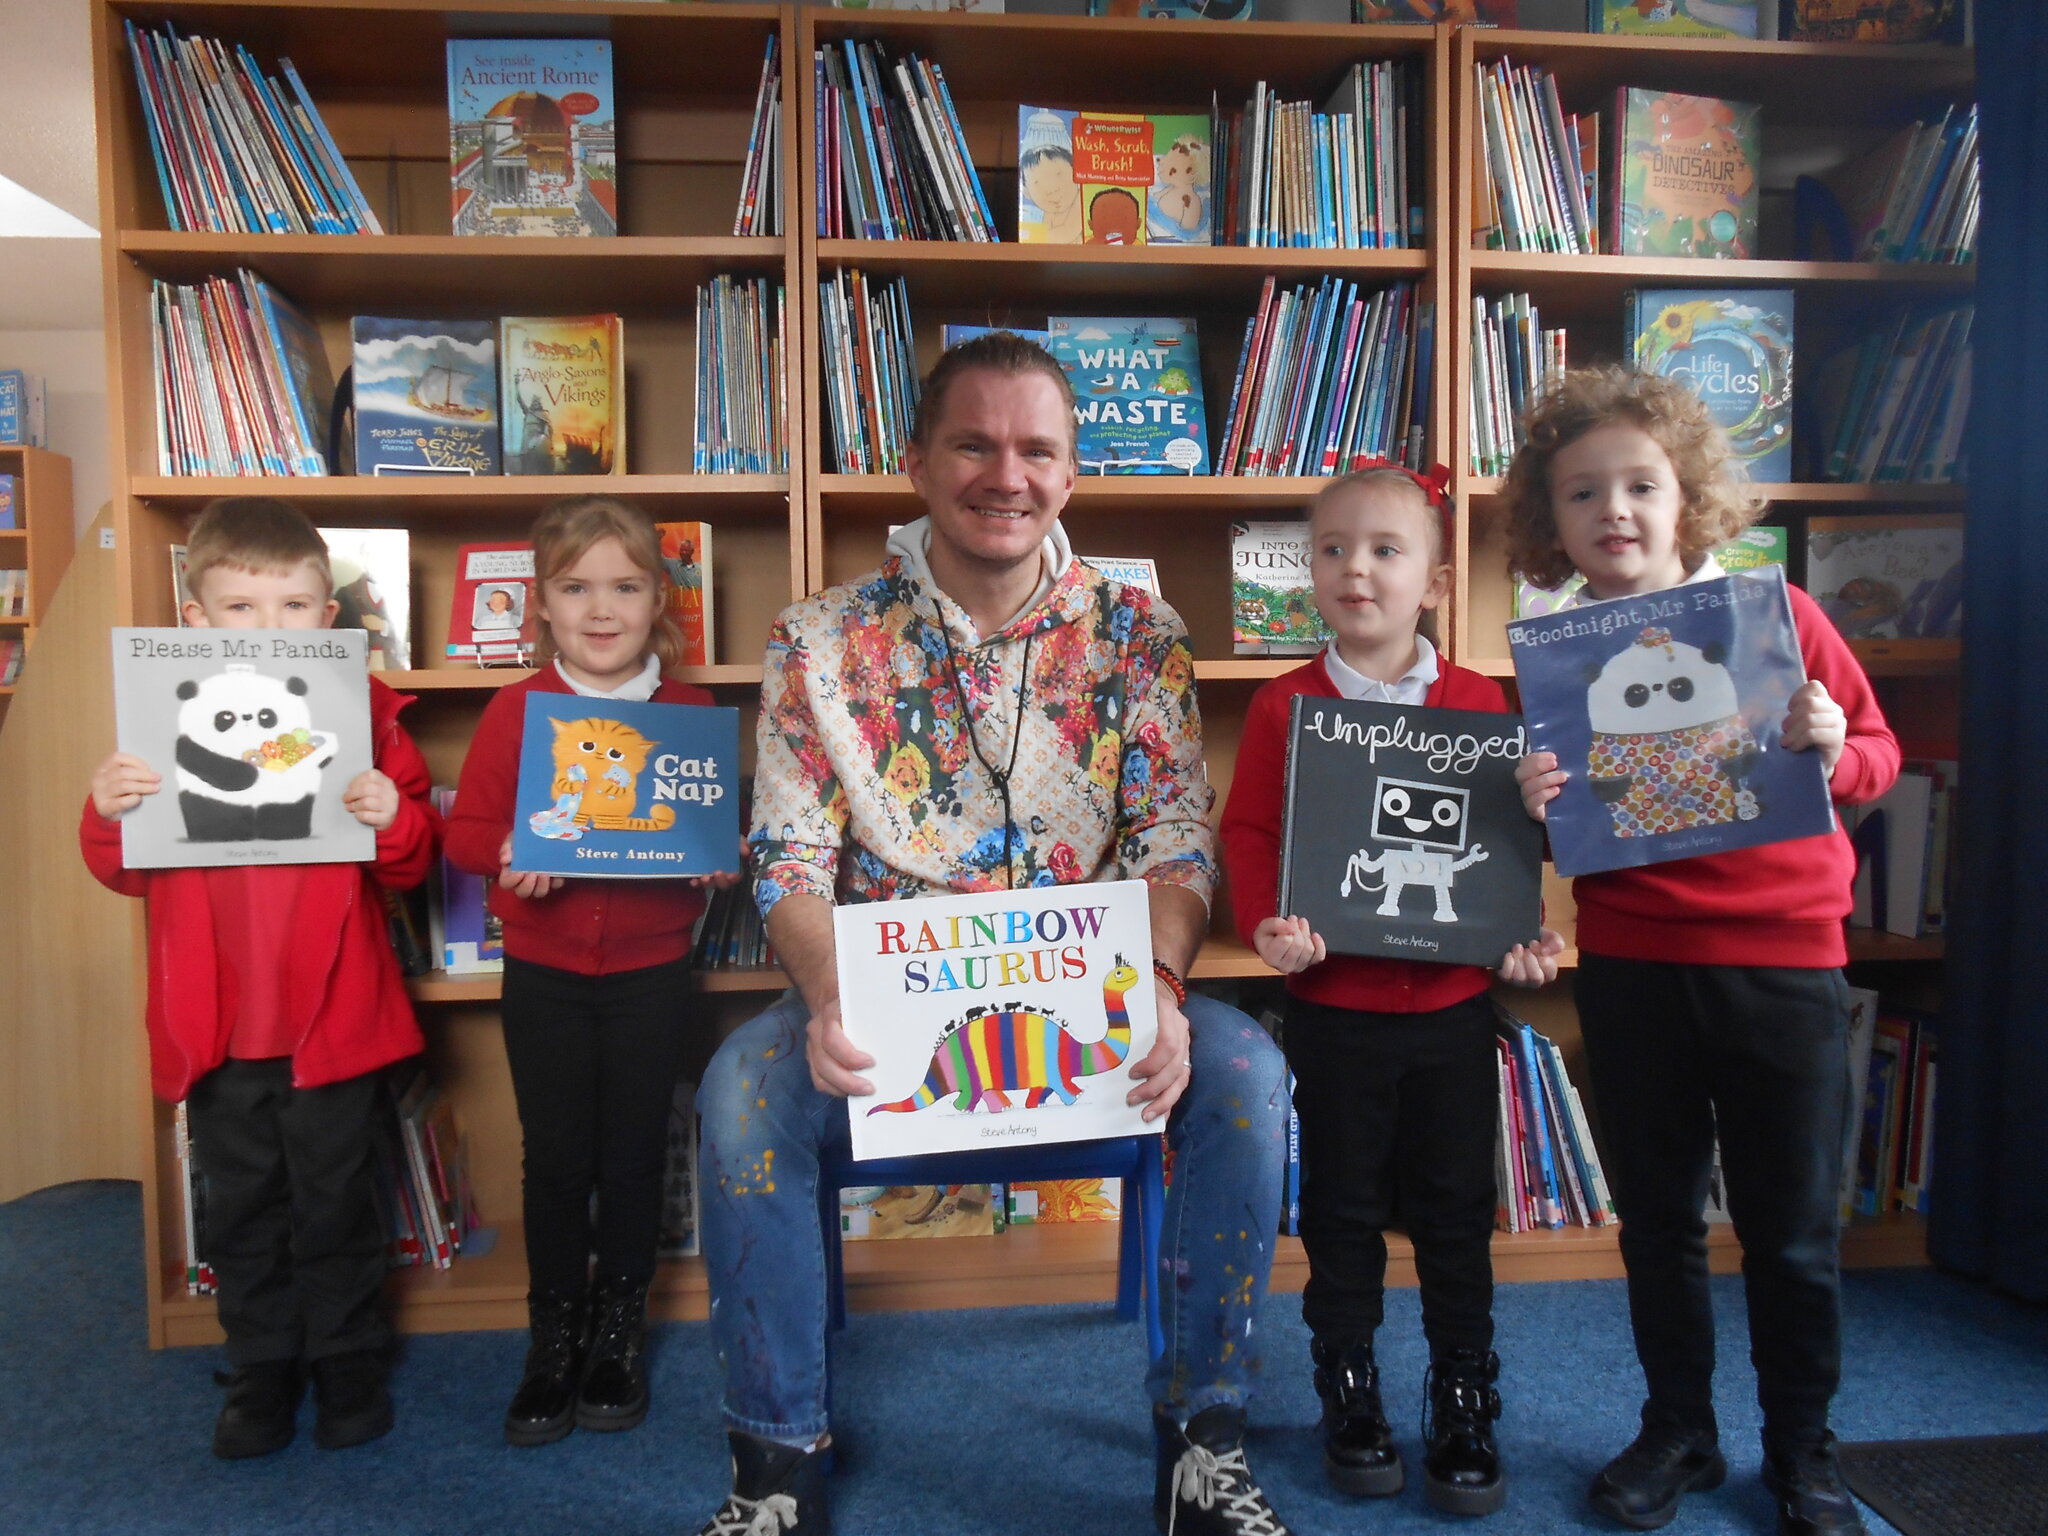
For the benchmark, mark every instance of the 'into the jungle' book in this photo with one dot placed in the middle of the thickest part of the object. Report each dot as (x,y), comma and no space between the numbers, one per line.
(1113,178)
(1686,184)
(562,387)
(1137,394)
(1733,347)
(626,790)
(998,1018)
(1404,834)
(532,137)
(426,396)
(257,733)
(1888,578)
(1667,710)
(1272,596)
(686,551)
(491,617)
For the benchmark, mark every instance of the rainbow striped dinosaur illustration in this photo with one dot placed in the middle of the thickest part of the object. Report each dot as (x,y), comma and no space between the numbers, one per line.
(991,1053)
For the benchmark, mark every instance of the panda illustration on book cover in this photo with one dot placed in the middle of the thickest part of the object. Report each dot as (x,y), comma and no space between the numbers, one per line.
(249,761)
(1671,750)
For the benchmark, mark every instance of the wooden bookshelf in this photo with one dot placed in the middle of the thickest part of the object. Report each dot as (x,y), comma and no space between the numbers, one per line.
(40,542)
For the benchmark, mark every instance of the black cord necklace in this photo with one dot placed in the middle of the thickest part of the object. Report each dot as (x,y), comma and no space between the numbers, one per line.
(1000,776)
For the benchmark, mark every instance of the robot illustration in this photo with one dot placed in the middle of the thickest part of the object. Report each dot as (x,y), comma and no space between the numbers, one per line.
(1431,820)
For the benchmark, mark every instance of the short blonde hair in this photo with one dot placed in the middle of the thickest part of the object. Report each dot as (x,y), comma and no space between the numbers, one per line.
(254,533)
(1718,503)
(567,529)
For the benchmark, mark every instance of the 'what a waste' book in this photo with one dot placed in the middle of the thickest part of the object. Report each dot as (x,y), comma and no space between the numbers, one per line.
(533,136)
(626,790)
(1137,394)
(1667,710)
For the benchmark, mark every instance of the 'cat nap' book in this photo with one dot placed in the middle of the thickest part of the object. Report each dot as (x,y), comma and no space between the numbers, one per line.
(625,790)
(257,733)
(1667,711)
(1404,833)
(1137,394)
(1000,1018)
(533,137)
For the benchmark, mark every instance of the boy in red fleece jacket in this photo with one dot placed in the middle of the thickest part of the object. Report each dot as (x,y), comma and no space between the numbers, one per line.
(274,1000)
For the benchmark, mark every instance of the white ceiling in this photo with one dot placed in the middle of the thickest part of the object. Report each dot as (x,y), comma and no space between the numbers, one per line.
(46,145)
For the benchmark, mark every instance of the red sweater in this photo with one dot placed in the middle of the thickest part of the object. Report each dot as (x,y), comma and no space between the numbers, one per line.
(1251,849)
(1778,905)
(341,986)
(593,926)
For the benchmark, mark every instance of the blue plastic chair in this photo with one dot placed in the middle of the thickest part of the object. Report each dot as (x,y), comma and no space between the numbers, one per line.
(1137,1160)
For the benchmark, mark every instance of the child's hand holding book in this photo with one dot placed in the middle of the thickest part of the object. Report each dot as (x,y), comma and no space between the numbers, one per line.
(1815,720)
(1288,944)
(119,784)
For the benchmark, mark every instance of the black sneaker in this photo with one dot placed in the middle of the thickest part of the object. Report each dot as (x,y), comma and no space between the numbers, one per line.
(352,1404)
(543,1408)
(1641,1487)
(1358,1443)
(262,1409)
(1812,1499)
(1202,1486)
(776,1488)
(614,1390)
(1460,1463)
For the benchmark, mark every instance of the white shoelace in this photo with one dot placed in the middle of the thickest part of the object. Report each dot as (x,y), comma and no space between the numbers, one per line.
(1204,1477)
(753,1517)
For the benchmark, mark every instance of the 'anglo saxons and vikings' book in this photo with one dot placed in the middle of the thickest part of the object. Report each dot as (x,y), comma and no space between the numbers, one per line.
(532,137)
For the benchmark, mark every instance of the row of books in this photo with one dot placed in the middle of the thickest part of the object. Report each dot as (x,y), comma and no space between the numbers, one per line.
(742,378)
(1916,197)
(1888,1145)
(1906,851)
(1515,361)
(1896,407)
(1537,181)
(1338,178)
(1547,1171)
(10,508)
(760,210)
(23,423)
(731,935)
(240,377)
(892,158)
(871,375)
(235,152)
(13,594)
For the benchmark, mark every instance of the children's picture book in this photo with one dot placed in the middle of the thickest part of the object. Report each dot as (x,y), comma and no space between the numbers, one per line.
(1687,183)
(1177,10)
(998,1017)
(22,418)
(257,732)
(491,616)
(1137,394)
(1423,13)
(1673,18)
(1733,347)
(306,374)
(1272,596)
(10,513)
(1667,711)
(1888,578)
(679,1234)
(626,790)
(1057,1202)
(877,1212)
(686,551)
(1862,21)
(1749,550)
(1113,178)
(426,396)
(1131,570)
(562,385)
(372,570)
(1404,834)
(532,136)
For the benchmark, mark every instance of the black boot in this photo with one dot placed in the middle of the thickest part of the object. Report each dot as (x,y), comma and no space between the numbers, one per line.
(351,1401)
(1358,1443)
(1807,1482)
(1460,1463)
(614,1390)
(544,1408)
(1201,1485)
(776,1488)
(262,1409)
(1641,1487)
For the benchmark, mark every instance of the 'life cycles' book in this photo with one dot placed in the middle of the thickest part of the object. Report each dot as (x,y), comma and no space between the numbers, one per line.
(1667,711)
(626,790)
(1404,834)
(257,732)
(1733,348)
(1137,394)
(998,1018)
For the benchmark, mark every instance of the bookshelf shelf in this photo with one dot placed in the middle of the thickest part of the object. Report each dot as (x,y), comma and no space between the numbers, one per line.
(1874,944)
(440,987)
(1577,283)
(1909,658)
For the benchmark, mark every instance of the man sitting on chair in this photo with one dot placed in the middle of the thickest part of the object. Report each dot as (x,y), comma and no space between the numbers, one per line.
(985,711)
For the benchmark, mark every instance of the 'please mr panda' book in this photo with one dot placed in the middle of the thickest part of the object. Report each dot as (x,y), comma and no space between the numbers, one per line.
(997,1018)
(626,790)
(256,732)
(1667,711)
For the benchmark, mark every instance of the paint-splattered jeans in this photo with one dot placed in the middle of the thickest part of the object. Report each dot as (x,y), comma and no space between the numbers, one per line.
(765,1125)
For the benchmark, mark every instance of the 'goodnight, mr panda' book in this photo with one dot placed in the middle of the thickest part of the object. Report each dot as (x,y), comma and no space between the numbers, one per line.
(1667,711)
(256,732)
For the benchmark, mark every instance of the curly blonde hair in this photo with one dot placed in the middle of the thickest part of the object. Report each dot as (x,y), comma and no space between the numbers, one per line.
(566,529)
(1718,502)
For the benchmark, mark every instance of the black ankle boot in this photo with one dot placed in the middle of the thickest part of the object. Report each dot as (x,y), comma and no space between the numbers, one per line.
(544,1408)
(1807,1482)
(614,1391)
(776,1488)
(1358,1443)
(1461,1465)
(1201,1484)
(1641,1487)
(351,1399)
(262,1409)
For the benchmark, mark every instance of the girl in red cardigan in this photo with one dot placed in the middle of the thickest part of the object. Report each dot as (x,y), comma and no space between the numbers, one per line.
(596,986)
(1396,1076)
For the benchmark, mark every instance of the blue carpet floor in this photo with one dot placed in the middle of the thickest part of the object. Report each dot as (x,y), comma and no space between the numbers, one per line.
(1016,1422)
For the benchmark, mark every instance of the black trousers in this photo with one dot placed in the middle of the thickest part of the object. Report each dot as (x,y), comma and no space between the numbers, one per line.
(1677,1051)
(1399,1113)
(594,1066)
(291,1222)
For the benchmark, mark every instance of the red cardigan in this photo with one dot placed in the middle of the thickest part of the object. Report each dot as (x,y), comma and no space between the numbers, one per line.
(1778,905)
(1251,849)
(592,926)
(343,981)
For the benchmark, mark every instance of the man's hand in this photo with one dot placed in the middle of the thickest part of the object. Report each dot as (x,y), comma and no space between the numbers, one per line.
(372,799)
(1163,1074)
(1288,944)
(523,884)
(119,784)
(1540,779)
(835,1061)
(1533,965)
(1815,720)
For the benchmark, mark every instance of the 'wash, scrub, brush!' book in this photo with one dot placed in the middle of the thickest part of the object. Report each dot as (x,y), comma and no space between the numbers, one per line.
(533,137)
(1137,394)
(998,1018)
(626,790)
(1667,711)
(1404,834)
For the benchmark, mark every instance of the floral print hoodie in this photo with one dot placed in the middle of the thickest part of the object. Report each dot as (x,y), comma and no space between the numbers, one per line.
(866,787)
